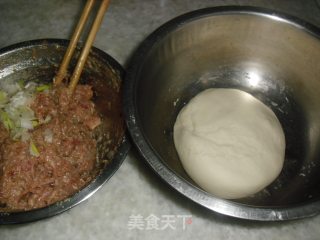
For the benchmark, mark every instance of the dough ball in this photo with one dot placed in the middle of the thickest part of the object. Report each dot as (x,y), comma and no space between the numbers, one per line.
(229,143)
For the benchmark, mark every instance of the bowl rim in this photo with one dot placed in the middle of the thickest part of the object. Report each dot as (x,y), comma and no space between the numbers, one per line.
(218,205)
(98,182)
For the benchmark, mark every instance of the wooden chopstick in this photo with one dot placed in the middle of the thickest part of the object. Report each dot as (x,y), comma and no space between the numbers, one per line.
(86,49)
(73,43)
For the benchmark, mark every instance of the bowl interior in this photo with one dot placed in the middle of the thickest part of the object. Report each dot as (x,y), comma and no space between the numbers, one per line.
(275,60)
(38,61)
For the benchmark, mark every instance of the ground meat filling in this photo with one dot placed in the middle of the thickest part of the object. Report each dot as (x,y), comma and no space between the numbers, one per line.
(67,151)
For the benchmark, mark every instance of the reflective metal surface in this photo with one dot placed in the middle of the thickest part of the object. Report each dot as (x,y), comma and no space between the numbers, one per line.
(39,60)
(273,56)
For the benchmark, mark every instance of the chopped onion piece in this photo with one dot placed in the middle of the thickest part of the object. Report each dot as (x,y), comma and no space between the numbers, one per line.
(10,86)
(7,122)
(35,122)
(48,135)
(30,86)
(47,119)
(3,98)
(43,87)
(26,123)
(20,99)
(33,149)
(15,112)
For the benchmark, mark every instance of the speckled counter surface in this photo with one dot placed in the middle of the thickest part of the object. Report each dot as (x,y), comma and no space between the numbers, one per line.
(135,196)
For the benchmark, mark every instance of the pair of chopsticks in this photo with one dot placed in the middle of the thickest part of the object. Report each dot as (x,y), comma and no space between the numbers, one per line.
(62,72)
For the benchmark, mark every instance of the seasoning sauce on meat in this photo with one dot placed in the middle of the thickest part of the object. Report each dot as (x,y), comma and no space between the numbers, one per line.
(67,151)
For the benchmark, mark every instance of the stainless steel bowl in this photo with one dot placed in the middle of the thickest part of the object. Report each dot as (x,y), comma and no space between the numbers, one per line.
(273,56)
(38,60)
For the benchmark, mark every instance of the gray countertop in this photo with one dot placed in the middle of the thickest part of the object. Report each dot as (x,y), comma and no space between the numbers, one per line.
(135,196)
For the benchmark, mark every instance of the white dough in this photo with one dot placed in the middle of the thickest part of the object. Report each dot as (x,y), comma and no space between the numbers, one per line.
(229,143)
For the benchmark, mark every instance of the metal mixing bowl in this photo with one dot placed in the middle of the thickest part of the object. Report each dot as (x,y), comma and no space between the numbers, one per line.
(39,60)
(271,55)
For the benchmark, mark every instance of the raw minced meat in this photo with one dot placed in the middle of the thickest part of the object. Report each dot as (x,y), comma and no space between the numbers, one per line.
(66,159)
